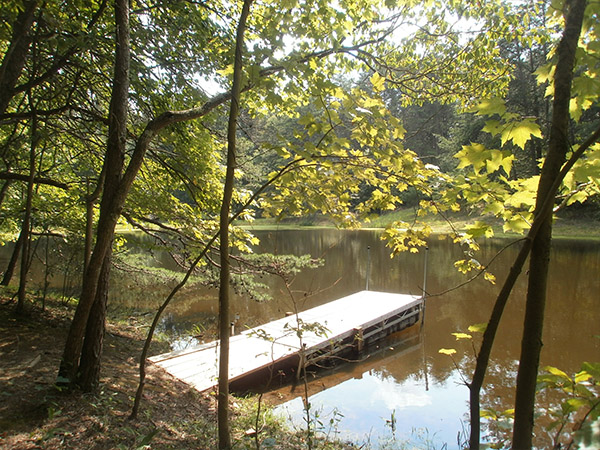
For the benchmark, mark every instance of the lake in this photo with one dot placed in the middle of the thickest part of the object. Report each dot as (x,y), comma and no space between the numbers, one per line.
(411,391)
(406,390)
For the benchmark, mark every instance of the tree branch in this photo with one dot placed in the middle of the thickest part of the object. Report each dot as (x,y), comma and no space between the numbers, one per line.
(36,180)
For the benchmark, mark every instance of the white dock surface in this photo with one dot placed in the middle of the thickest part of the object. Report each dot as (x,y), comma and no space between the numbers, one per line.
(248,352)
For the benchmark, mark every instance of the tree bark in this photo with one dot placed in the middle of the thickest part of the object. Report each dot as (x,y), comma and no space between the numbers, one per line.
(26,225)
(4,190)
(489,335)
(91,355)
(16,54)
(224,327)
(90,202)
(9,176)
(558,147)
(12,264)
(112,198)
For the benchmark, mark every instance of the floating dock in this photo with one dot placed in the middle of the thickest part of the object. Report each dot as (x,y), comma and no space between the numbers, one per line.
(334,330)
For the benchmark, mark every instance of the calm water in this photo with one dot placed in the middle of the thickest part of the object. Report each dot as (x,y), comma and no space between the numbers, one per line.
(412,385)
(407,390)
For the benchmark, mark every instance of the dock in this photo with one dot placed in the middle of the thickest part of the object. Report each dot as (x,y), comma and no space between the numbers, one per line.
(337,329)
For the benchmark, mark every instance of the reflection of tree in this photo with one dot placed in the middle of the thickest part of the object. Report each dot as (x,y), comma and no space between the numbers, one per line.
(571,313)
(573,291)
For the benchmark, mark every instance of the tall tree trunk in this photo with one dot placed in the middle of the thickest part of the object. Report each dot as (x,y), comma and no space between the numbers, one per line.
(112,199)
(16,54)
(558,147)
(223,398)
(26,225)
(489,335)
(91,354)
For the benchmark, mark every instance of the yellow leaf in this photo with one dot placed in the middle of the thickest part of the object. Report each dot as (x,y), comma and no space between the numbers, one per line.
(378,82)
(490,107)
(521,132)
(447,351)
(459,336)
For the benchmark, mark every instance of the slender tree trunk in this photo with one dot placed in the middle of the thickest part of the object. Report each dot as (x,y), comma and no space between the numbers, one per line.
(489,335)
(90,202)
(26,226)
(224,328)
(113,196)
(91,355)
(142,368)
(12,264)
(558,147)
(4,190)
(89,233)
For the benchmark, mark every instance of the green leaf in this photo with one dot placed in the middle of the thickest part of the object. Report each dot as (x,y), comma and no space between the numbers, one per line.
(490,107)
(148,438)
(478,328)
(593,369)
(499,159)
(557,372)
(378,82)
(516,224)
(479,229)
(582,376)
(493,127)
(521,132)
(475,155)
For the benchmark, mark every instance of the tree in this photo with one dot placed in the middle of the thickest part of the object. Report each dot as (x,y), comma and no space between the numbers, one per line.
(224,326)
(41,73)
(516,205)
(344,153)
(558,148)
(94,286)
(18,48)
(119,180)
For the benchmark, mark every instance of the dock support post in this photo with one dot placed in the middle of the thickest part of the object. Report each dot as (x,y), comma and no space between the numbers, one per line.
(368,267)
(424,285)
(359,342)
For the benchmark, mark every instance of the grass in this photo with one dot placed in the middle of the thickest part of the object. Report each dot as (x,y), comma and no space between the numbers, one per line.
(566,226)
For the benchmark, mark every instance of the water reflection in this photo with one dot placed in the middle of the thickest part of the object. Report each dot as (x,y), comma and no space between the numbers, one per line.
(421,387)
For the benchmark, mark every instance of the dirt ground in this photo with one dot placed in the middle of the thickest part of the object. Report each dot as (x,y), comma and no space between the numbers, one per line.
(35,414)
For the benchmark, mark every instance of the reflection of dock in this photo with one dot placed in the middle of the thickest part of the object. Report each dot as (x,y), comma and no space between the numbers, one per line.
(335,329)
(396,347)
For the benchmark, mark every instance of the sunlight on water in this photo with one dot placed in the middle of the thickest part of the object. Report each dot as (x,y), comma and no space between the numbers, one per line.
(376,409)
